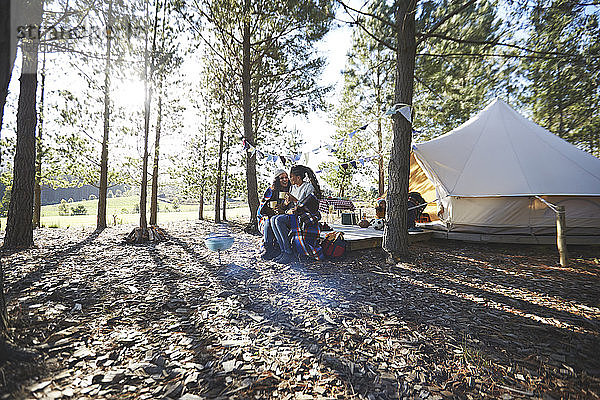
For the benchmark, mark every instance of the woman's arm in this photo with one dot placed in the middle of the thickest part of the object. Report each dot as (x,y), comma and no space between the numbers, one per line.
(263,208)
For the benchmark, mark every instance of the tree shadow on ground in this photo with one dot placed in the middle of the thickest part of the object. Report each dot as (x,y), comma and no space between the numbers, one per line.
(514,335)
(50,262)
(529,267)
(429,312)
(111,294)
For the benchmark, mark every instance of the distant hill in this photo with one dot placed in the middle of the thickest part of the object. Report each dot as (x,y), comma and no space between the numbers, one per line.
(54,196)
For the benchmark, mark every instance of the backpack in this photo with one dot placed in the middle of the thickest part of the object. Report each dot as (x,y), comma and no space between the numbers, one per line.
(416,198)
(334,245)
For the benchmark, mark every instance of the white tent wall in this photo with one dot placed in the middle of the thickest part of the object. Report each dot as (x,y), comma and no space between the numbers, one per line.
(521,215)
(499,152)
(488,172)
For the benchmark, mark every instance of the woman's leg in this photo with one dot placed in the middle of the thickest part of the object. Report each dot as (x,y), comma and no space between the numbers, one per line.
(269,242)
(275,231)
(281,225)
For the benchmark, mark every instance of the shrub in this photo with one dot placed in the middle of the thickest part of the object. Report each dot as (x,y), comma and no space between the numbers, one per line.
(125,211)
(110,194)
(70,200)
(93,197)
(118,193)
(64,208)
(5,202)
(79,210)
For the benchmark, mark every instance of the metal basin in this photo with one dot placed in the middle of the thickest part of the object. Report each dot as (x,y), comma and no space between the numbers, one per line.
(219,242)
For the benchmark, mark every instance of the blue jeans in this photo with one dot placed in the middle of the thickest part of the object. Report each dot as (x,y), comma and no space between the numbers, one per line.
(269,240)
(281,226)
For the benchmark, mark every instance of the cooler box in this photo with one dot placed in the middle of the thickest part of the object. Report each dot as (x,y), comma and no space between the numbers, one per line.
(349,219)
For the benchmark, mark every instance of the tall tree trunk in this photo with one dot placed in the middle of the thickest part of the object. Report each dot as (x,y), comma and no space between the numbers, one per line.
(37,187)
(251,183)
(19,227)
(144,186)
(395,238)
(225,183)
(7,59)
(103,184)
(154,194)
(148,73)
(219,167)
(203,173)
(26,119)
(381,180)
(7,52)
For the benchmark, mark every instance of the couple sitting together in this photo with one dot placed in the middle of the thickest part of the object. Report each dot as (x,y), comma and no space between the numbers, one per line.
(289,216)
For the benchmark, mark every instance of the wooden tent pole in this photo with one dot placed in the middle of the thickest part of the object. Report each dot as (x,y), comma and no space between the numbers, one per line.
(561,230)
(561,240)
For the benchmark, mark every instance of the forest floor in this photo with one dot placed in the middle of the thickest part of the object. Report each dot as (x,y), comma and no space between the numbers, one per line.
(109,320)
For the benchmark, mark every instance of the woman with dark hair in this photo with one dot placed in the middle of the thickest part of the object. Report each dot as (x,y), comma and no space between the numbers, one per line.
(271,205)
(301,219)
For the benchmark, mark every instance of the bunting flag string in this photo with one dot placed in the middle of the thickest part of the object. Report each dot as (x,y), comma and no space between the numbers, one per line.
(403,109)
(350,164)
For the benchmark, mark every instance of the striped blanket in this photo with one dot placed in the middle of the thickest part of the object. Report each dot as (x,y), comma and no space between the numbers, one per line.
(305,228)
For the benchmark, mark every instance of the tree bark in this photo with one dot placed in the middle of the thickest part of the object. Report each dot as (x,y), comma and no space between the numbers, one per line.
(395,239)
(144,185)
(201,200)
(26,120)
(3,313)
(19,227)
(381,180)
(251,183)
(381,188)
(148,73)
(103,184)
(7,53)
(201,205)
(154,193)
(225,183)
(219,167)
(37,187)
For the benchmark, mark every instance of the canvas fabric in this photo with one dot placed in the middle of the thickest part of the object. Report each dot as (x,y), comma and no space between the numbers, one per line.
(487,173)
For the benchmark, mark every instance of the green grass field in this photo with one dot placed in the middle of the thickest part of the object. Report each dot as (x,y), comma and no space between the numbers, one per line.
(120,210)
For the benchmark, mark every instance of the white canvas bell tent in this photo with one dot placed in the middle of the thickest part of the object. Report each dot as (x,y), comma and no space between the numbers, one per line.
(487,173)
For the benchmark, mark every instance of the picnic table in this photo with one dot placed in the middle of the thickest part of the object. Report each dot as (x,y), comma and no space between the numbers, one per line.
(337,204)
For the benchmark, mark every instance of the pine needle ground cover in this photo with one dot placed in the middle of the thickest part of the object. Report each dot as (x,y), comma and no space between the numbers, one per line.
(164,320)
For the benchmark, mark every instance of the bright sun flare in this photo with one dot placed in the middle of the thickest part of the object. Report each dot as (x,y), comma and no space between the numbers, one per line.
(129,93)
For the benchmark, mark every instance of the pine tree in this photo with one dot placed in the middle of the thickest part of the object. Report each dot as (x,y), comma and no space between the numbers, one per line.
(400,20)
(167,64)
(563,85)
(270,61)
(19,226)
(449,89)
